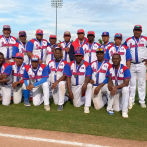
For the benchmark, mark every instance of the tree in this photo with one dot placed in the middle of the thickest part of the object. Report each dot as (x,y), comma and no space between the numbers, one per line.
(100,41)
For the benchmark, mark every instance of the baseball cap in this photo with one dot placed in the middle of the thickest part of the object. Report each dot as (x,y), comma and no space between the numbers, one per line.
(22,33)
(79,51)
(118,35)
(39,31)
(80,31)
(67,33)
(105,33)
(91,33)
(19,55)
(53,36)
(6,27)
(100,49)
(35,58)
(138,27)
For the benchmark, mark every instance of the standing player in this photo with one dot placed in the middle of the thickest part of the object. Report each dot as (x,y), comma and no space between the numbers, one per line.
(20,47)
(90,48)
(5,80)
(56,68)
(6,43)
(18,68)
(138,47)
(65,45)
(118,82)
(37,47)
(78,43)
(78,76)
(106,43)
(35,79)
(121,49)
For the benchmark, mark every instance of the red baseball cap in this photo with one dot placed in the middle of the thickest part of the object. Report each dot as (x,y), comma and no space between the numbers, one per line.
(6,27)
(80,31)
(35,58)
(138,27)
(22,33)
(67,33)
(91,33)
(52,36)
(118,35)
(39,31)
(19,55)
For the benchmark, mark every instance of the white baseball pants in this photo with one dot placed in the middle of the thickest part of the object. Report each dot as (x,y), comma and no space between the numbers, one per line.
(17,94)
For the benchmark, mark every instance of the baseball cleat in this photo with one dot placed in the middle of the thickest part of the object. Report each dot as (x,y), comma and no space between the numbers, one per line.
(47,107)
(143,105)
(26,103)
(125,114)
(60,107)
(86,109)
(110,112)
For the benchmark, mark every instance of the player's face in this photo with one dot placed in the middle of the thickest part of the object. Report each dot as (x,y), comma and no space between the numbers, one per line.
(35,64)
(90,38)
(118,41)
(100,56)
(137,33)
(23,38)
(1,59)
(105,38)
(6,32)
(19,61)
(52,41)
(78,58)
(67,38)
(58,55)
(81,36)
(39,36)
(116,60)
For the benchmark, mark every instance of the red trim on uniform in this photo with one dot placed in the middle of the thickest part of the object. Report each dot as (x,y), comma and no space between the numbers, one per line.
(42,66)
(27,67)
(33,40)
(71,63)
(86,63)
(144,37)
(13,38)
(128,39)
(125,46)
(12,63)
(1,36)
(97,44)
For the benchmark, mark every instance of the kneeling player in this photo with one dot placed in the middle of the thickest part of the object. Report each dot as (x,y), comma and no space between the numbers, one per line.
(78,76)
(118,82)
(56,68)
(18,68)
(99,80)
(35,79)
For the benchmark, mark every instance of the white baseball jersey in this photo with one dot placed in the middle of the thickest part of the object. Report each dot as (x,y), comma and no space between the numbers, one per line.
(90,51)
(38,48)
(123,50)
(56,70)
(6,46)
(65,54)
(106,46)
(138,48)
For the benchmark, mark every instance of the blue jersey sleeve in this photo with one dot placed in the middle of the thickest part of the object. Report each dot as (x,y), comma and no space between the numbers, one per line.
(48,44)
(128,55)
(127,74)
(14,51)
(29,46)
(107,57)
(25,75)
(8,70)
(45,72)
(48,69)
(106,80)
(67,70)
(26,83)
(88,71)
(107,73)
(64,70)
(44,79)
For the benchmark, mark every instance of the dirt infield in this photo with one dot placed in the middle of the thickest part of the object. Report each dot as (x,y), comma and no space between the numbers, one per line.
(14,137)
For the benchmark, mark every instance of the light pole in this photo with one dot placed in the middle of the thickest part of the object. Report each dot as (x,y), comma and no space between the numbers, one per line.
(56,4)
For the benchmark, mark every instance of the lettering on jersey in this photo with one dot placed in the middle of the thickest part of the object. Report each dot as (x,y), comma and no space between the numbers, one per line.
(78,49)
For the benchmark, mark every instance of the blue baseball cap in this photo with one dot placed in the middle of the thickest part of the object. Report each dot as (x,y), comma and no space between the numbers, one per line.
(79,51)
(105,34)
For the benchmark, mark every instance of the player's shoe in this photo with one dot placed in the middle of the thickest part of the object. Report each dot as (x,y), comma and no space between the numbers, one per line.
(26,103)
(60,107)
(86,109)
(125,114)
(47,107)
(143,105)
(110,112)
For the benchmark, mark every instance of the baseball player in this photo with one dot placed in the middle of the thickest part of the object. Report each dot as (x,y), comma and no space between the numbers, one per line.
(118,82)
(106,43)
(50,48)
(35,79)
(138,47)
(6,43)
(99,80)
(56,69)
(121,49)
(78,74)
(20,47)
(5,80)
(37,46)
(18,68)
(90,48)
(78,43)
(65,45)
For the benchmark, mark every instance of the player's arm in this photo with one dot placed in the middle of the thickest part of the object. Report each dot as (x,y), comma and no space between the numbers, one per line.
(128,63)
(14,51)
(29,49)
(4,80)
(128,58)
(20,82)
(6,72)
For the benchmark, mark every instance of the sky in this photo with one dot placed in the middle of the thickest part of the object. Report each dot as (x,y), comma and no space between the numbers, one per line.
(114,16)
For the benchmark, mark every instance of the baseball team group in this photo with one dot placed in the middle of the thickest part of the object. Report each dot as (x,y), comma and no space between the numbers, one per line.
(82,71)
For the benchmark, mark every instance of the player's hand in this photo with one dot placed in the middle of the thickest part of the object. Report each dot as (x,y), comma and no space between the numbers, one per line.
(113,91)
(96,90)
(59,45)
(84,87)
(14,84)
(67,49)
(40,61)
(54,85)
(7,61)
(145,62)
(30,87)
(71,96)
(91,82)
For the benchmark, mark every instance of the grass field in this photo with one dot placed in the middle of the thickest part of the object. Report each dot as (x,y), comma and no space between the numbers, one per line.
(75,121)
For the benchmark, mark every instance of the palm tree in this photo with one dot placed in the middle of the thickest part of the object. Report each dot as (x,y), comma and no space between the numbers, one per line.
(100,41)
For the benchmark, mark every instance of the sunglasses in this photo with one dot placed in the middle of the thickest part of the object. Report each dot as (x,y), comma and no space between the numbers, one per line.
(119,35)
(100,49)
